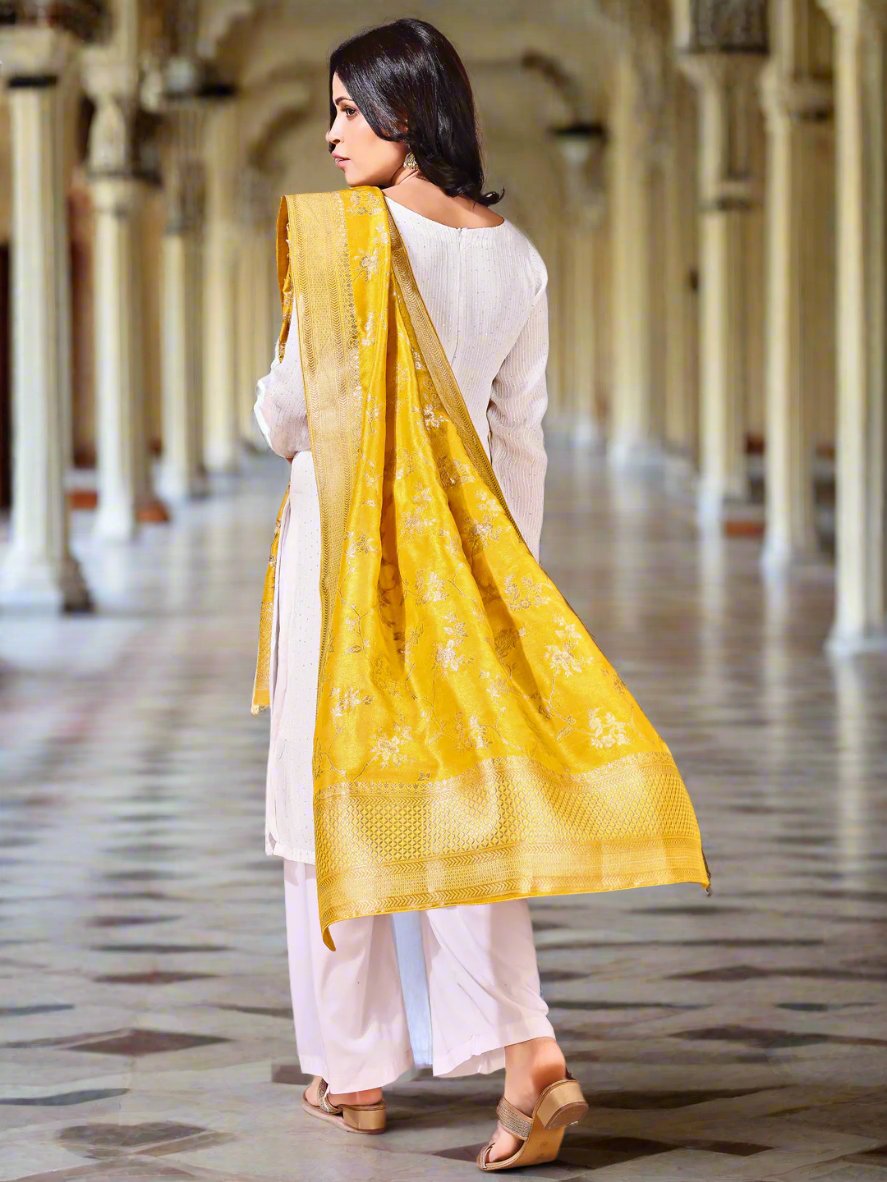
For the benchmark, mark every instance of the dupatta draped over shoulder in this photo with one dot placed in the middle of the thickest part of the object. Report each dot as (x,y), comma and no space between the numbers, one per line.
(472,743)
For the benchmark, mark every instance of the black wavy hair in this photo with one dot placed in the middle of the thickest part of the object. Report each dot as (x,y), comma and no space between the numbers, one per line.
(407,74)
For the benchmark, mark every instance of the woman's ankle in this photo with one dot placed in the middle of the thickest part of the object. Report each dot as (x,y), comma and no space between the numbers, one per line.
(531,1066)
(366,1096)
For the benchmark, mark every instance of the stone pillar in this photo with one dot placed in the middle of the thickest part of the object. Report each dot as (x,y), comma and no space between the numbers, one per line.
(254,330)
(557,258)
(182,472)
(725,82)
(581,147)
(148,247)
(602,279)
(798,107)
(111,78)
(681,275)
(584,427)
(259,306)
(221,435)
(120,424)
(151,223)
(659,298)
(633,439)
(860,28)
(39,572)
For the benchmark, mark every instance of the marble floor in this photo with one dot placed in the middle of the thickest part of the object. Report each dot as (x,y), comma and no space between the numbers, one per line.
(145,1024)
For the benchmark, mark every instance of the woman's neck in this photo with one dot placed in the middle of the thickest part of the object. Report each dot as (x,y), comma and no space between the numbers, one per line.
(422,196)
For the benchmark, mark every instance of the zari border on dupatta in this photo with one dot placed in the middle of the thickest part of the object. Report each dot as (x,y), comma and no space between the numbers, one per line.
(328,343)
(312,260)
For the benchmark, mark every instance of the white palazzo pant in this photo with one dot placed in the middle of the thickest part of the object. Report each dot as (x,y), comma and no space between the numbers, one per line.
(360,1023)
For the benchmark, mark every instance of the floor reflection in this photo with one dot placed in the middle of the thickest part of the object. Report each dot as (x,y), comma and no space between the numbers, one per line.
(144,1004)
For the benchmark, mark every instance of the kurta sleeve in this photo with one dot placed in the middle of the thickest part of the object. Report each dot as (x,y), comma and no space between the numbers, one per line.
(280,408)
(517,404)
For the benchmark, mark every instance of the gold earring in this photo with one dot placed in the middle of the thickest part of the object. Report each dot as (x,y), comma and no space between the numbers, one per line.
(410,161)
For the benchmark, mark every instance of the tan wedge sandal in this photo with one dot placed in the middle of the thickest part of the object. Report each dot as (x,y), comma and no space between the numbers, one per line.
(559,1105)
(353,1118)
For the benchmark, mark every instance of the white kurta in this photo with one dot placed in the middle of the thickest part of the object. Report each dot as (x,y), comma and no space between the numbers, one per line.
(486,292)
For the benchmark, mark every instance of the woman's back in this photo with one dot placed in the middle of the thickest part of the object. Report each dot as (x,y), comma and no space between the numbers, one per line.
(486,292)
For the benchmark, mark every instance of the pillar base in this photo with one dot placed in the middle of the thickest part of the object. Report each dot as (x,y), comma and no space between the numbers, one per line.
(558,423)
(222,461)
(779,558)
(174,486)
(42,588)
(636,455)
(841,643)
(680,472)
(83,499)
(115,523)
(587,432)
(153,512)
(730,512)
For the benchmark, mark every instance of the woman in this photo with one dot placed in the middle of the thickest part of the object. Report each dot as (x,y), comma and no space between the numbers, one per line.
(427,771)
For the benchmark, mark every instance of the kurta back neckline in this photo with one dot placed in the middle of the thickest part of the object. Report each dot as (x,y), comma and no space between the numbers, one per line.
(393,205)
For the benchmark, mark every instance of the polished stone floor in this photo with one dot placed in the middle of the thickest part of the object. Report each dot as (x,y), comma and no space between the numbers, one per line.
(145,1023)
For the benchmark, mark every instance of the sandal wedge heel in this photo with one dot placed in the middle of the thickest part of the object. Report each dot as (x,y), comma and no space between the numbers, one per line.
(542,1131)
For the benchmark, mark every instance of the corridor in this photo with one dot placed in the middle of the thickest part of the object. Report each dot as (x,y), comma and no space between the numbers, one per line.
(144,1004)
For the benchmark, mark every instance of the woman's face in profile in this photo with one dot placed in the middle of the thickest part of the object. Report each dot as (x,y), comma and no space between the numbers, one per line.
(365,158)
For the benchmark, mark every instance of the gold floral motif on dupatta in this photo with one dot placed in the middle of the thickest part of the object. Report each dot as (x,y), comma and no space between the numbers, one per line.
(472,742)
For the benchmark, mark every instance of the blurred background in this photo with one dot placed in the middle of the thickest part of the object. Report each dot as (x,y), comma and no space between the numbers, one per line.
(705,180)
(685,169)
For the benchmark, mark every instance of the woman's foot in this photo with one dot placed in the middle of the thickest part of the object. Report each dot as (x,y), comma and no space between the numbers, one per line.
(368,1096)
(529,1067)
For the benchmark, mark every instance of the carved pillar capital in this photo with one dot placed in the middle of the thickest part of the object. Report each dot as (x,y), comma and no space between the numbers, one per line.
(185,90)
(855,15)
(720,26)
(718,71)
(183,171)
(648,56)
(114,88)
(582,147)
(785,99)
(38,44)
(84,20)
(255,199)
(32,55)
(725,82)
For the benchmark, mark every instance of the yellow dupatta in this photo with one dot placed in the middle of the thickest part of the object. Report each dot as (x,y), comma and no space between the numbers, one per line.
(472,743)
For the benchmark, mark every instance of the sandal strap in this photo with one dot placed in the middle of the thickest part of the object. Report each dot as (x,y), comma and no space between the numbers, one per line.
(324,1102)
(513,1119)
(483,1160)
